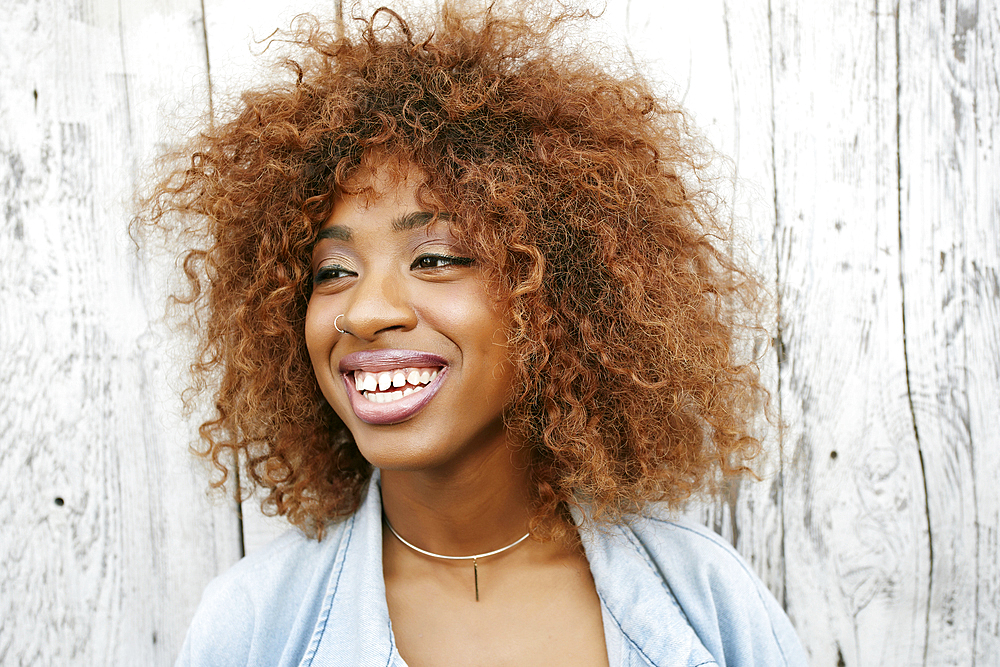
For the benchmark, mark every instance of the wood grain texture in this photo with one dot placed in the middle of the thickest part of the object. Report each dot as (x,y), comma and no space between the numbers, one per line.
(108,539)
(857,555)
(937,156)
(757,511)
(982,339)
(717,64)
(950,261)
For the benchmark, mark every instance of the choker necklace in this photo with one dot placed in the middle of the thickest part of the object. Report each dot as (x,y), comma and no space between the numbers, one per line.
(474,558)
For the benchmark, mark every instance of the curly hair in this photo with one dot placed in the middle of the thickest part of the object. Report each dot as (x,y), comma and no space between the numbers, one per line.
(581,193)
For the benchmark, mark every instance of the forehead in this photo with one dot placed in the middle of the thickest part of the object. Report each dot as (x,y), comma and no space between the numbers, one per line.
(376,186)
(387,189)
(379,176)
(383,199)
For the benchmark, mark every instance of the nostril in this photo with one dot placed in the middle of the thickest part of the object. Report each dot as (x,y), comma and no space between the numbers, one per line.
(394,327)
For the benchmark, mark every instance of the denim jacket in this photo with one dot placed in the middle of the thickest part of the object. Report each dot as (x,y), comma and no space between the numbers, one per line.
(672,594)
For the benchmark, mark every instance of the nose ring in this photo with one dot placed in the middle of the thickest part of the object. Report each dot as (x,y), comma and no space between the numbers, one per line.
(335,324)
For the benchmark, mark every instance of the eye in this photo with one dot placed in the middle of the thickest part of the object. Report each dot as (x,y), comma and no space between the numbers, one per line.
(329,273)
(439,261)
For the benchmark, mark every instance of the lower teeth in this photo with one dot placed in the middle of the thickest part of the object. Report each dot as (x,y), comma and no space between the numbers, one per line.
(390,396)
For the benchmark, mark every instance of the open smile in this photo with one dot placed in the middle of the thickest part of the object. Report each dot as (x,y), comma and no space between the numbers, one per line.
(390,386)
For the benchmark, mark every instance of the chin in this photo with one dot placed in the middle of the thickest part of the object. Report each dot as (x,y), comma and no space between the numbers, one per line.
(403,446)
(401,459)
(413,447)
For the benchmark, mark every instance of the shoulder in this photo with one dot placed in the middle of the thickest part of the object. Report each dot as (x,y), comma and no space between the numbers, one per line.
(258,599)
(691,549)
(731,610)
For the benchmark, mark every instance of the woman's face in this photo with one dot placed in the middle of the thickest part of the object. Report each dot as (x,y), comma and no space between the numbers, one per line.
(422,375)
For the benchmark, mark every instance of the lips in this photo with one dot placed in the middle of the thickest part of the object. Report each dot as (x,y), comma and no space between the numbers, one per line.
(393,398)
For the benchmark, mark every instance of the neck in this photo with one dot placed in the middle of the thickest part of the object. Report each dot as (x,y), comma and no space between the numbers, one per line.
(459,513)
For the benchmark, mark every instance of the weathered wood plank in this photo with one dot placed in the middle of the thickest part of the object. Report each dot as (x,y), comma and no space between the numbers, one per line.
(949,313)
(108,539)
(982,337)
(951,252)
(717,62)
(237,38)
(759,507)
(855,527)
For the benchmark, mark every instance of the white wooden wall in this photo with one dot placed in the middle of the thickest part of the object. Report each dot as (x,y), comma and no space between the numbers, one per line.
(866,137)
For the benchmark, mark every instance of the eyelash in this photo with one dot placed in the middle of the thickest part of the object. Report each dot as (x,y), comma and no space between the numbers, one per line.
(325,273)
(330,272)
(448,260)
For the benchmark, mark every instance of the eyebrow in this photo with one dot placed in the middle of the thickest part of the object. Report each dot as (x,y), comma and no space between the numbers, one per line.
(401,224)
(338,232)
(417,219)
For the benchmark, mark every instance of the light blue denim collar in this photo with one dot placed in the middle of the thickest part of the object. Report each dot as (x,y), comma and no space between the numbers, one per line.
(638,599)
(360,632)
(353,625)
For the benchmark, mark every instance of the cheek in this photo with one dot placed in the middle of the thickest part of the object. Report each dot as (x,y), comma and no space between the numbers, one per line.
(485,326)
(318,340)
(320,335)
(472,319)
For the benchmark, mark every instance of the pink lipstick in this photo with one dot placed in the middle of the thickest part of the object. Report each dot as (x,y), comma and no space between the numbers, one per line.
(390,386)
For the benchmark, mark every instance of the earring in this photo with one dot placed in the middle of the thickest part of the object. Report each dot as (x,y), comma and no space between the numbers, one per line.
(335,324)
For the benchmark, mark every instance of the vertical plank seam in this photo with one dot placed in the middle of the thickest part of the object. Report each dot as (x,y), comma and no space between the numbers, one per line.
(128,96)
(902,294)
(239,506)
(211,119)
(779,340)
(208,77)
(732,493)
(628,42)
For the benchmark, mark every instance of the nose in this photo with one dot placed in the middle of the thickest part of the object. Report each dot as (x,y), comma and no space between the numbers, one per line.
(379,302)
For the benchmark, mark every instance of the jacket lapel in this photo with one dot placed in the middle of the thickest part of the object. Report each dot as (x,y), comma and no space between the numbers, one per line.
(654,628)
(353,627)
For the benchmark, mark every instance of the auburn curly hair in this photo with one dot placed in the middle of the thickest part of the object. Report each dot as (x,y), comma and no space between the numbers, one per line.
(580,193)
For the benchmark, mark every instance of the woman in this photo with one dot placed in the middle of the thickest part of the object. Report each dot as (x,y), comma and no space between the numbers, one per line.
(462,302)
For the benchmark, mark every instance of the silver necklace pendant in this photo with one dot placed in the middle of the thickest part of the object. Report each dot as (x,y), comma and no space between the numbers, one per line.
(474,558)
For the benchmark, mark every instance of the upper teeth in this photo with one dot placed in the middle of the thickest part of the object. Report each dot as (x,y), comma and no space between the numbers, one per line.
(368,383)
